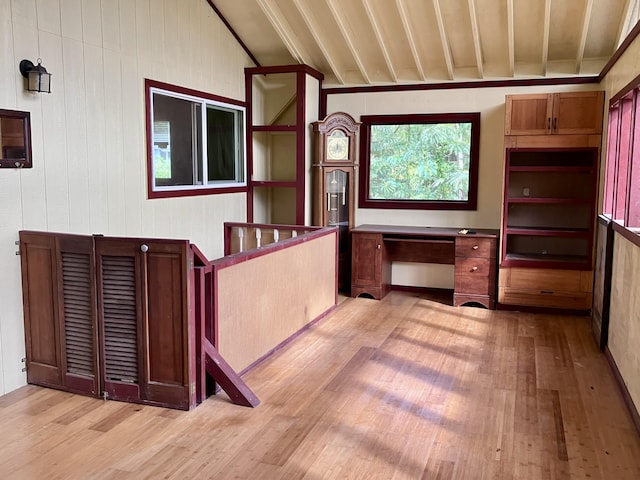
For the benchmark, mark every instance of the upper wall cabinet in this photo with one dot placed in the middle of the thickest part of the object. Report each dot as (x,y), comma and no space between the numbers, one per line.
(568,113)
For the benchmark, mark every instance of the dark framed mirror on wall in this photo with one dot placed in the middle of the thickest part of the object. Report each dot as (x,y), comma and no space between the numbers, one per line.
(15,139)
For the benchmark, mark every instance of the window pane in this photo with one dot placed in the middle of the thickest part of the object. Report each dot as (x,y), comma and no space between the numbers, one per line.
(221,144)
(620,196)
(612,153)
(174,166)
(420,161)
(633,213)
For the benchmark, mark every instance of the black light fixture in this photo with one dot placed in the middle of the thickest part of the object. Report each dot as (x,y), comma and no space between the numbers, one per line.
(38,79)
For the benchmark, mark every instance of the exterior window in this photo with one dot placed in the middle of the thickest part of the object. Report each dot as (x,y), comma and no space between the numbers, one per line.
(622,172)
(427,162)
(195,142)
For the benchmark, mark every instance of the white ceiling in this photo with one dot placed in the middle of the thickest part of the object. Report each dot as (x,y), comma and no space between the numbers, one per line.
(380,42)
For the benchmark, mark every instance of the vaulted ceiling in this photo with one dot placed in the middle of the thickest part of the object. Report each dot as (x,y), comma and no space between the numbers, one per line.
(379,42)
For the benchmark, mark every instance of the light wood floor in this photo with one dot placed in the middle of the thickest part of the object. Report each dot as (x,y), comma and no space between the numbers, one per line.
(405,388)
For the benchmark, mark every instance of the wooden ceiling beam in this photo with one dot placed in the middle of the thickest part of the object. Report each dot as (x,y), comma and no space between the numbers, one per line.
(511,39)
(545,36)
(315,33)
(348,39)
(443,38)
(583,35)
(381,43)
(404,16)
(627,21)
(475,32)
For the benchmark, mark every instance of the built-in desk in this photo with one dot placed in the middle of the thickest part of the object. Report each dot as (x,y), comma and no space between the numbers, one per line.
(375,247)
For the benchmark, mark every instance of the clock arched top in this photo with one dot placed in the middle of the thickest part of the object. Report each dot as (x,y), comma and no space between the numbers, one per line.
(340,120)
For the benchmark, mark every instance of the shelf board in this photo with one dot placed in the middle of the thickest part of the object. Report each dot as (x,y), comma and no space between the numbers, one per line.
(273,183)
(274,128)
(575,262)
(550,200)
(552,168)
(549,232)
(546,257)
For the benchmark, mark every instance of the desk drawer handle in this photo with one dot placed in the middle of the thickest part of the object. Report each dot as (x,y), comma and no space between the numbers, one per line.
(475,247)
(473,269)
(547,292)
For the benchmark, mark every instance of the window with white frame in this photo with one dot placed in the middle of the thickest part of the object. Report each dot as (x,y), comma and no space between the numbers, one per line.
(196,142)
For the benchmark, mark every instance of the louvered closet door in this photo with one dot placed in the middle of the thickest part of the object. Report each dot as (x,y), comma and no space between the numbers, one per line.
(144,321)
(59,309)
(78,313)
(119,317)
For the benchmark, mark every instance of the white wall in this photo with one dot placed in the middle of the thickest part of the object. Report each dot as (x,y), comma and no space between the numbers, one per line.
(89,165)
(490,103)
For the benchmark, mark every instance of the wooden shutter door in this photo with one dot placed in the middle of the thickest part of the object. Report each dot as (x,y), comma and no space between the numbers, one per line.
(144,321)
(119,317)
(40,299)
(59,310)
(170,358)
(78,314)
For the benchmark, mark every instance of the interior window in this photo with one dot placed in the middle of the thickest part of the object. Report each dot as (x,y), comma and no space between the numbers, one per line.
(196,142)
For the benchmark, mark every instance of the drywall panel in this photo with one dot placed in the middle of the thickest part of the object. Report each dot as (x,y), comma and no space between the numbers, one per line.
(54,146)
(76,140)
(624,319)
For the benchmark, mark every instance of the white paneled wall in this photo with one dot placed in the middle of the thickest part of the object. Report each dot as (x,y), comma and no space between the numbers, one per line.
(89,165)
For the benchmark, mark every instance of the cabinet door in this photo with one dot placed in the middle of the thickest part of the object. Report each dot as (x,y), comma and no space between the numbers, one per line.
(528,114)
(144,320)
(578,112)
(59,311)
(367,259)
(41,300)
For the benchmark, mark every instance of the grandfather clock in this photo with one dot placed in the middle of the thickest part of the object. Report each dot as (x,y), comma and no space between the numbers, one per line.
(334,173)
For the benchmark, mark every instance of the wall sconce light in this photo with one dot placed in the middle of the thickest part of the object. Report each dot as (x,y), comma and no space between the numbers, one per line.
(38,79)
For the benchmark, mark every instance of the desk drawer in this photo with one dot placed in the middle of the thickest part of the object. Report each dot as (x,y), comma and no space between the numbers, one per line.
(478,267)
(475,247)
(474,285)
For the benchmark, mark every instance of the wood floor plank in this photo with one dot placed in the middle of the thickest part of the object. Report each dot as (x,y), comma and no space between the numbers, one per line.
(404,388)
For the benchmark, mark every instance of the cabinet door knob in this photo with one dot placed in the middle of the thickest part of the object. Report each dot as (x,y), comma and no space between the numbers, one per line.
(473,269)
(144,248)
(378,246)
(475,247)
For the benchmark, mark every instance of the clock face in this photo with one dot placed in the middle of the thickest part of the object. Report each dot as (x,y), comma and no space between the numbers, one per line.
(337,146)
